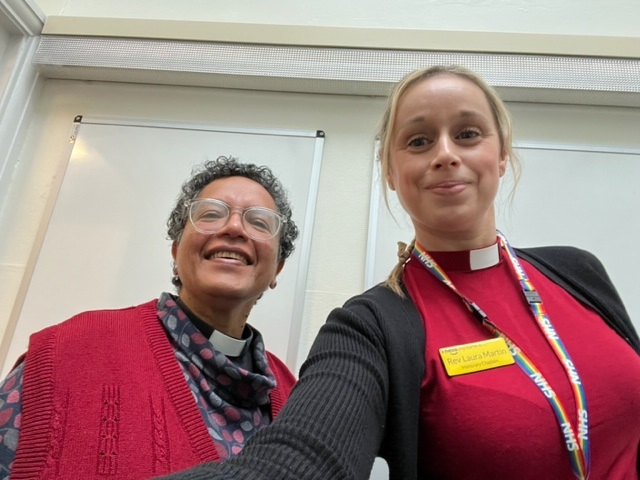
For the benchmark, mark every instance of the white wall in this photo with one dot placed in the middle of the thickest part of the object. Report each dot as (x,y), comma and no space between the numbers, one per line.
(4,42)
(336,268)
(568,17)
(20,21)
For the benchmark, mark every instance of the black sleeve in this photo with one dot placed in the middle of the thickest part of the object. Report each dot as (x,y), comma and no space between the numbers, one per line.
(333,423)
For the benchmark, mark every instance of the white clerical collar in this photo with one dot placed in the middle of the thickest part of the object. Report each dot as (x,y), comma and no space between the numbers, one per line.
(468,260)
(231,347)
(484,257)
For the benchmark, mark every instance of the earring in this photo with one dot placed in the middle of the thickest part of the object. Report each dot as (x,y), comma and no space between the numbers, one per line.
(176,277)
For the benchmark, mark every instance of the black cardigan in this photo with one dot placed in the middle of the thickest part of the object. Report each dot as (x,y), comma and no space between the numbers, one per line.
(359,390)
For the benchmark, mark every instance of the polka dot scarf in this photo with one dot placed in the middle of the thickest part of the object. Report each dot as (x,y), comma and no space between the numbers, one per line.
(234,401)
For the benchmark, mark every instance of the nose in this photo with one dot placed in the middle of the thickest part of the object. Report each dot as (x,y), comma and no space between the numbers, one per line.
(234,226)
(446,154)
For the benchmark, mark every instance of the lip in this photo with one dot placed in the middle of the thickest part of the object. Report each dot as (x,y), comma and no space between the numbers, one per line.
(448,187)
(229,254)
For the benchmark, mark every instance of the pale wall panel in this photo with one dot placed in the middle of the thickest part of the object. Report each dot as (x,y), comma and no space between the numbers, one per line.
(335,267)
(337,260)
(571,17)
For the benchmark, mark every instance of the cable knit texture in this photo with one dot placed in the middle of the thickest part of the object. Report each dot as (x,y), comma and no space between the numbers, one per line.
(104,397)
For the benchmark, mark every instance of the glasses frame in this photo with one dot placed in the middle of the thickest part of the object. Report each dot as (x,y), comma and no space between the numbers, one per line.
(282,220)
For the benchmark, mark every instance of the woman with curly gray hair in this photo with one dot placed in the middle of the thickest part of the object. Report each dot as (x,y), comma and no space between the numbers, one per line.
(173,382)
(225,167)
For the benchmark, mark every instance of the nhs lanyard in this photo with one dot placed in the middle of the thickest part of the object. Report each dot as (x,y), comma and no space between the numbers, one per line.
(577,445)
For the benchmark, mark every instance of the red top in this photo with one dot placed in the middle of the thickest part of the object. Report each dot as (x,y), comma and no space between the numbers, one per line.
(496,424)
(104,396)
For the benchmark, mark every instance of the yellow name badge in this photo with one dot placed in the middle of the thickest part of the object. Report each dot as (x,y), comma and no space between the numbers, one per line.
(475,357)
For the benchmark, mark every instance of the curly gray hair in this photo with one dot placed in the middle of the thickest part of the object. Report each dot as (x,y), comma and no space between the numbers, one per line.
(223,167)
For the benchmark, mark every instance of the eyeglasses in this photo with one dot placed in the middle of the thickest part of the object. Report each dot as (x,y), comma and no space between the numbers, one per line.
(209,215)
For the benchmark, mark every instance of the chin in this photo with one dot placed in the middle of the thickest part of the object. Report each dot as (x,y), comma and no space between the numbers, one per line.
(242,294)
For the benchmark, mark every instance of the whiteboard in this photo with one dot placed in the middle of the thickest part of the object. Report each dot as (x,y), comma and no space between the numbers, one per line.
(587,197)
(106,246)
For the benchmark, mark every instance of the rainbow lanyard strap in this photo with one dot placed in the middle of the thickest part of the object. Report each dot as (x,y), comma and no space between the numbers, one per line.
(577,445)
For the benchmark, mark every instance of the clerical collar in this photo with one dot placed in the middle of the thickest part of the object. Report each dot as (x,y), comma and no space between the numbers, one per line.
(467,260)
(229,346)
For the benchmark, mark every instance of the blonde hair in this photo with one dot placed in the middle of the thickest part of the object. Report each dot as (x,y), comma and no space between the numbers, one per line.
(500,116)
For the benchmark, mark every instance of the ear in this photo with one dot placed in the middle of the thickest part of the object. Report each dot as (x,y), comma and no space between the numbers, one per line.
(279,268)
(390,180)
(390,184)
(502,165)
(174,250)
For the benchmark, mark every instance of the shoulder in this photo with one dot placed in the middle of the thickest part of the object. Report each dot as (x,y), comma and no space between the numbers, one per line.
(582,275)
(279,368)
(561,253)
(383,313)
(98,319)
(116,313)
(571,260)
(381,304)
(382,299)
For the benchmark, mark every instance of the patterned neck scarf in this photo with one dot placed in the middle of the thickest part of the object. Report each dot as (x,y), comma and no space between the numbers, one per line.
(234,401)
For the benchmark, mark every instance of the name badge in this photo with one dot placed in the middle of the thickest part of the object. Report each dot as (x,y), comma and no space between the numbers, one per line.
(476,357)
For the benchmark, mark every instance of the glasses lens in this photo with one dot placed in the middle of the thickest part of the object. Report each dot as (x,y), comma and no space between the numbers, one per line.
(261,223)
(208,216)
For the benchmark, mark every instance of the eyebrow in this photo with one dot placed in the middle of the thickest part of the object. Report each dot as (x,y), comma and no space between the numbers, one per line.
(465,114)
(470,113)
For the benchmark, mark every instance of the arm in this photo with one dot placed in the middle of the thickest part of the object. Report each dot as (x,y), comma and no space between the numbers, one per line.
(10,413)
(333,423)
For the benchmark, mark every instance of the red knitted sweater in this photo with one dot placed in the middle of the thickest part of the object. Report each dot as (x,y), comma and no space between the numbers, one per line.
(104,396)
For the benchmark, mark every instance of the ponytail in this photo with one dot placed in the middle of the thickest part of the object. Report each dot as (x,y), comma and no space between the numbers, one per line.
(394,281)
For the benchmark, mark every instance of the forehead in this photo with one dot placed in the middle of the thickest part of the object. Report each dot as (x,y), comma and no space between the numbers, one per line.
(238,192)
(444,94)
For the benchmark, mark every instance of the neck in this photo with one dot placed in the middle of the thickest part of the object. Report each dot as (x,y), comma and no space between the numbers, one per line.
(454,243)
(462,260)
(226,317)
(457,232)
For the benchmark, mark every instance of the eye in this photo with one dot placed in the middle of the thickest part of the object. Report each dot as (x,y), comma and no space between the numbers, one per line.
(418,142)
(258,223)
(261,220)
(468,134)
(210,213)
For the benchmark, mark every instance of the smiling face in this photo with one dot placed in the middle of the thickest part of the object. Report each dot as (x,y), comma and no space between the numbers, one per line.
(445,163)
(228,269)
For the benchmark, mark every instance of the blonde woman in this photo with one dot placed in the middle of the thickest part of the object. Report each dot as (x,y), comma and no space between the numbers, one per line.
(475,360)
